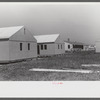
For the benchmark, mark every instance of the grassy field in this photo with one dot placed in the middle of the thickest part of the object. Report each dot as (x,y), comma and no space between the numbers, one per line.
(20,71)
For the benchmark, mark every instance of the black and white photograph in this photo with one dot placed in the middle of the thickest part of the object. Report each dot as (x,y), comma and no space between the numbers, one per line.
(49,42)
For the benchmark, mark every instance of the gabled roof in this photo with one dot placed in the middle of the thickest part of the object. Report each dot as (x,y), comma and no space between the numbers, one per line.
(46,38)
(75,43)
(7,32)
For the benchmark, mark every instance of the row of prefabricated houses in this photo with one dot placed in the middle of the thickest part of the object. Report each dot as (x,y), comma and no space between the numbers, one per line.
(17,43)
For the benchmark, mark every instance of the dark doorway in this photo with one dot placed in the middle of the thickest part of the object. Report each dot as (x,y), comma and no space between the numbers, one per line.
(38,50)
(68,46)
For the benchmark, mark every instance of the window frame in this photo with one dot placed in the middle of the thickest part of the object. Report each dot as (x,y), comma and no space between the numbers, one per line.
(58,46)
(68,46)
(21,46)
(28,46)
(45,47)
(61,46)
(41,46)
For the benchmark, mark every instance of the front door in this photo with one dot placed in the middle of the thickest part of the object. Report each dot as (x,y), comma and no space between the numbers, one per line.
(38,50)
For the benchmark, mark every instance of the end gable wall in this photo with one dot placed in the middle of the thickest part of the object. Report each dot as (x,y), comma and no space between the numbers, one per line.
(59,42)
(14,45)
(22,35)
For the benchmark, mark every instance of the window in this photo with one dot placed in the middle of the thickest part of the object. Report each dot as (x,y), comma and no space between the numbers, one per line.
(28,46)
(78,46)
(61,46)
(68,46)
(58,46)
(20,46)
(42,47)
(45,47)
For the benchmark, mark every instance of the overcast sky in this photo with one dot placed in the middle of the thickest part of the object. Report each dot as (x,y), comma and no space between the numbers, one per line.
(77,21)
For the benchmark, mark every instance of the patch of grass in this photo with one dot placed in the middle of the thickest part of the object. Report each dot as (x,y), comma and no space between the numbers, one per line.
(20,71)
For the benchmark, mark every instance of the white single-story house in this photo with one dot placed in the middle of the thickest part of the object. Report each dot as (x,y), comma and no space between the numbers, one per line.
(49,45)
(16,43)
(68,46)
(75,46)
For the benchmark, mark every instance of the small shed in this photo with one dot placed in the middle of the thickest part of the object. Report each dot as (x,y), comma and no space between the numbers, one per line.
(49,44)
(16,43)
